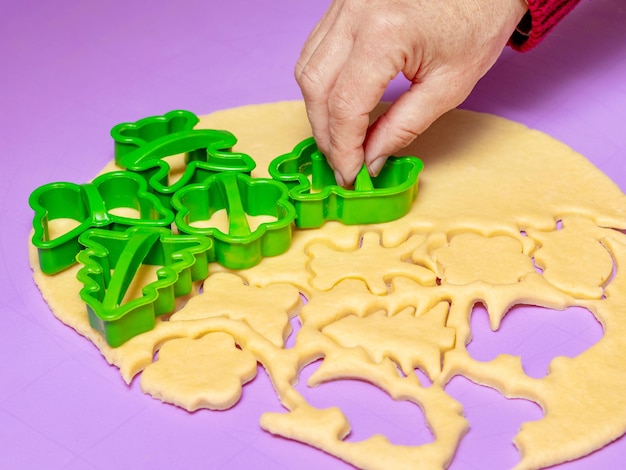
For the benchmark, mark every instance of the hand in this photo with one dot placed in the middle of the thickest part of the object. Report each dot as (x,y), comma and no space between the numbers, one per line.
(443,47)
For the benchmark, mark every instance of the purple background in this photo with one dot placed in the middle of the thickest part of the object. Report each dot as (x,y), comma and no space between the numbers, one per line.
(72,69)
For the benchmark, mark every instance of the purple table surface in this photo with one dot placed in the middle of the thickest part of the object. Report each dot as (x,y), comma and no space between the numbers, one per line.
(71,69)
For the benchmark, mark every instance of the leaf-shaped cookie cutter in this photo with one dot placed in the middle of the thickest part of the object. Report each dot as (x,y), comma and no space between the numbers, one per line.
(89,205)
(142,147)
(317,198)
(112,259)
(239,195)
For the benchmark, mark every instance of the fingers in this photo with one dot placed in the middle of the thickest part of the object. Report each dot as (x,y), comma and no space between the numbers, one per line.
(317,34)
(410,115)
(356,92)
(359,46)
(321,62)
(353,97)
(338,108)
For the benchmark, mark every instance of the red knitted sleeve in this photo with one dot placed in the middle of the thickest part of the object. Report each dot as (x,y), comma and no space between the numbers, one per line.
(542,16)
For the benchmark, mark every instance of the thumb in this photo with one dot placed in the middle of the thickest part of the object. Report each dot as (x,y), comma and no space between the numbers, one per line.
(410,115)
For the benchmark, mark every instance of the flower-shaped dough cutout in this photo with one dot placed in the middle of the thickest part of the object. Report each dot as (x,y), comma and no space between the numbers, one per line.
(209,372)
(373,263)
(471,257)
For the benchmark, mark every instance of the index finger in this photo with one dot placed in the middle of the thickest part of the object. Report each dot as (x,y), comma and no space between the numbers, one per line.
(318,76)
(358,89)
(317,35)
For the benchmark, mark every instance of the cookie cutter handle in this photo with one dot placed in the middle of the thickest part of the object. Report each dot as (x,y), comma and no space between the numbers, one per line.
(237,219)
(322,175)
(130,260)
(95,203)
(363,181)
(131,136)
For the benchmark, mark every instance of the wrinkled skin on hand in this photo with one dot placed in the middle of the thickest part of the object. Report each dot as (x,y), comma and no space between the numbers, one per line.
(442,47)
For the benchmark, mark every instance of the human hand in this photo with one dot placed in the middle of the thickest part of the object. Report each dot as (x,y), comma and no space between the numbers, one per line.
(443,47)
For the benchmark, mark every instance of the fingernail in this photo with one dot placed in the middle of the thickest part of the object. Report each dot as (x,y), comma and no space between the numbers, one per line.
(375,166)
(339,179)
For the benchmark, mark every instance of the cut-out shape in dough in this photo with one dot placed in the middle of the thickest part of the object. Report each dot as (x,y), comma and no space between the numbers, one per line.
(207,372)
(409,341)
(471,257)
(330,265)
(266,310)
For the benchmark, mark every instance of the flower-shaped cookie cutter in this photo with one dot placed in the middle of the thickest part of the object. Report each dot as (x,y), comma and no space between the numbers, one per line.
(111,260)
(86,206)
(317,198)
(240,196)
(143,146)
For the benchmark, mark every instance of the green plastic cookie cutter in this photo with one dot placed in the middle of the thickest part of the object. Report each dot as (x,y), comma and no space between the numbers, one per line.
(89,205)
(111,260)
(317,198)
(241,246)
(143,146)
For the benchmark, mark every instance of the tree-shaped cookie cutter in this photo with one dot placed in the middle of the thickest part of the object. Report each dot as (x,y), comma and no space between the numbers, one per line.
(111,260)
(89,205)
(143,146)
(240,196)
(317,198)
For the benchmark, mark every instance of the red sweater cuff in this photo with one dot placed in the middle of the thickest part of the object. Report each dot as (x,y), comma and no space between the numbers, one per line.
(542,16)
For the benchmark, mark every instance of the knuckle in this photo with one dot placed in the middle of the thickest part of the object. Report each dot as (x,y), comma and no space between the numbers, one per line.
(341,106)
(399,135)
(386,25)
(297,71)
(308,78)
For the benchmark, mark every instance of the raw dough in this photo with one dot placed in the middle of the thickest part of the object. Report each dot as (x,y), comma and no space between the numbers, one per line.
(505,215)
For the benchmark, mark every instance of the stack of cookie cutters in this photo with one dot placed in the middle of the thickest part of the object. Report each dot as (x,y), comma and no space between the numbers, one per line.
(172,227)
(215,178)
(143,146)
